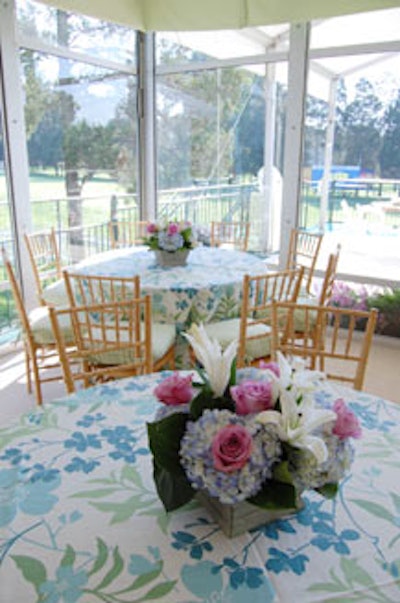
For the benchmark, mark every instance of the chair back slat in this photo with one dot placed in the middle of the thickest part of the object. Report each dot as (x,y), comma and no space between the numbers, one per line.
(259,293)
(125,233)
(334,340)
(112,340)
(83,289)
(232,234)
(44,258)
(304,248)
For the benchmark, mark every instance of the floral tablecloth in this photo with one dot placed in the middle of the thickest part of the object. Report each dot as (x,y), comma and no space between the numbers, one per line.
(80,519)
(207,289)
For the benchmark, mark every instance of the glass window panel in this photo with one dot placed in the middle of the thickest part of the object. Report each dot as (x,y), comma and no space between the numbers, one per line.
(82,137)
(358,203)
(7,307)
(76,32)
(210,134)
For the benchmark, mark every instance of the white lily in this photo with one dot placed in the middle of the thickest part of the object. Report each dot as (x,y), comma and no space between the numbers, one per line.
(217,363)
(296,374)
(296,422)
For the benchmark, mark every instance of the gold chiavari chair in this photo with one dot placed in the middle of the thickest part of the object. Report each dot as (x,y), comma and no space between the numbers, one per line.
(41,358)
(233,235)
(304,248)
(113,340)
(86,290)
(334,340)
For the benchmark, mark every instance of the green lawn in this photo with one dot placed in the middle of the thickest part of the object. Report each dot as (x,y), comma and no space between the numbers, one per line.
(45,188)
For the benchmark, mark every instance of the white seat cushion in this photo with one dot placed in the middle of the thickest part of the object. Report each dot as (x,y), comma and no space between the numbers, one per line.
(41,326)
(163,338)
(56,294)
(227,331)
(299,315)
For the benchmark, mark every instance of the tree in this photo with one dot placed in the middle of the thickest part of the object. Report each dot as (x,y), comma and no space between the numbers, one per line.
(362,121)
(389,156)
(249,135)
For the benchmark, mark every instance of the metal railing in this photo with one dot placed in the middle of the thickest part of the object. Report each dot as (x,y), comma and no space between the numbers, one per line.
(198,204)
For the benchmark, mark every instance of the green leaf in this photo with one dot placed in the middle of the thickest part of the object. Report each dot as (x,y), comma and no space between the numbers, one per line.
(159,591)
(275,495)
(327,587)
(165,440)
(102,556)
(131,475)
(100,493)
(174,490)
(204,401)
(142,580)
(114,572)
(396,501)
(375,509)
(121,510)
(69,557)
(32,570)
(232,378)
(355,574)
(281,473)
(328,490)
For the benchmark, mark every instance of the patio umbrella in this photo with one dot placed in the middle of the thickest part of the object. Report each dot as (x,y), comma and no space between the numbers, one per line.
(191,15)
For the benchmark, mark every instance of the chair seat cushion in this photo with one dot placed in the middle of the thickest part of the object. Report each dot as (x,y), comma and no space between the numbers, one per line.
(299,315)
(163,338)
(226,331)
(41,326)
(56,294)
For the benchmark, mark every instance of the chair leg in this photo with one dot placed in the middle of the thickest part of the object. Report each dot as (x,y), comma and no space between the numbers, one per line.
(28,372)
(36,377)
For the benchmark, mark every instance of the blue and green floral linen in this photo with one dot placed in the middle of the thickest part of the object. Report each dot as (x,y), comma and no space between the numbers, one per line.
(80,520)
(207,289)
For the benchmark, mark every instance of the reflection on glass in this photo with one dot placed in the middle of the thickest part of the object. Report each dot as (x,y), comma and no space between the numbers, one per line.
(211,144)
(76,32)
(81,135)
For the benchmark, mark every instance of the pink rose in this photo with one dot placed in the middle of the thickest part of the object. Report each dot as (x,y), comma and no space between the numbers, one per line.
(252,396)
(231,448)
(271,366)
(172,229)
(151,228)
(175,390)
(347,425)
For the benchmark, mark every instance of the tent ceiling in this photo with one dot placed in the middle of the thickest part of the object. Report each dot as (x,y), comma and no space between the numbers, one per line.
(342,46)
(191,15)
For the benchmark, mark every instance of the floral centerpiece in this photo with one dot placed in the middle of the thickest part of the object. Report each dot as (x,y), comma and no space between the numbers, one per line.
(171,241)
(257,436)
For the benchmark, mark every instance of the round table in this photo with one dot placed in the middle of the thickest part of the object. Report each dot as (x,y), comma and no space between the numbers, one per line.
(80,520)
(207,289)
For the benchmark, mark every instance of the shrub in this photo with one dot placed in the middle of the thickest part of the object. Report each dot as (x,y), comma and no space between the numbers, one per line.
(388,304)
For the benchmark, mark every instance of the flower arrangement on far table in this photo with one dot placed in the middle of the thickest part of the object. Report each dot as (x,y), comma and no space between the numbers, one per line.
(169,236)
(170,241)
(260,438)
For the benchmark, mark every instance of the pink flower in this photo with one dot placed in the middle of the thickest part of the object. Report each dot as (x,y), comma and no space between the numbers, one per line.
(172,229)
(151,228)
(271,366)
(252,396)
(231,448)
(347,425)
(175,390)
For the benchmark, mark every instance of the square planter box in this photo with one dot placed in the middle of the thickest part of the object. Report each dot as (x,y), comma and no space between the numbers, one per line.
(168,259)
(242,517)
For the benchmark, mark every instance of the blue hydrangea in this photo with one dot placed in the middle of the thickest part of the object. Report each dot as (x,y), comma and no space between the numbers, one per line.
(198,462)
(306,472)
(170,242)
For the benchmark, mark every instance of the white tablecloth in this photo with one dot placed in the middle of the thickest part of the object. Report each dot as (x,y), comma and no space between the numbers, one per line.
(80,520)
